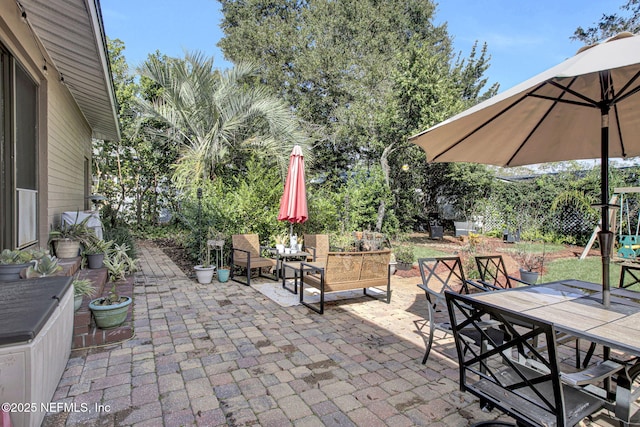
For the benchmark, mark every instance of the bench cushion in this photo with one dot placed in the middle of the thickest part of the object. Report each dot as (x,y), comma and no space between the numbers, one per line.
(256,262)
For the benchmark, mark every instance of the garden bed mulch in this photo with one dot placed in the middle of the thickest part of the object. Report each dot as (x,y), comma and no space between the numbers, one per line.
(449,244)
(488,245)
(178,255)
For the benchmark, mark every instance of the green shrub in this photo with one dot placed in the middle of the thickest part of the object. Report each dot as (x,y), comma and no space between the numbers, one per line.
(245,203)
(405,254)
(324,210)
(361,199)
(122,237)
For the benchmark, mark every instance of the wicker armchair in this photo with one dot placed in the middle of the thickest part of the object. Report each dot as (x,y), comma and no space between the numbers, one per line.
(317,245)
(246,254)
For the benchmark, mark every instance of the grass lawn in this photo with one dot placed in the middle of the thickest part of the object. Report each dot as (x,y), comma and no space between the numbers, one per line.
(536,247)
(588,269)
(427,252)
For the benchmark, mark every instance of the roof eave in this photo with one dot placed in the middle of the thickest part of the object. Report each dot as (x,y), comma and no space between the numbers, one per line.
(72,32)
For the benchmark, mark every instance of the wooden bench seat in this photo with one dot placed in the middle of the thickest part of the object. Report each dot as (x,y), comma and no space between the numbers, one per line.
(344,271)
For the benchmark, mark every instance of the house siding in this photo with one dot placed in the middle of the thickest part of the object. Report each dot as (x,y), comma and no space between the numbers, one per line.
(64,135)
(69,145)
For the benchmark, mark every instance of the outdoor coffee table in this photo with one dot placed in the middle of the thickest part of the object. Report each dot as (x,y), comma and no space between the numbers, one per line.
(295,266)
(286,257)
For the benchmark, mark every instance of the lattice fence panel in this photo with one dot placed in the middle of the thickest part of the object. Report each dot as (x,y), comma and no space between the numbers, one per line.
(569,222)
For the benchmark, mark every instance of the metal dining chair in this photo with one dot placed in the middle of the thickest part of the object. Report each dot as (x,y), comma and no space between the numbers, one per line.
(493,273)
(533,391)
(441,274)
(629,275)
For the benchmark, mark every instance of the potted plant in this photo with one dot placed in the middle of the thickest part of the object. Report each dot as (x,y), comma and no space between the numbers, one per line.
(223,273)
(405,257)
(204,271)
(81,287)
(94,251)
(66,238)
(12,262)
(531,263)
(43,267)
(281,241)
(111,310)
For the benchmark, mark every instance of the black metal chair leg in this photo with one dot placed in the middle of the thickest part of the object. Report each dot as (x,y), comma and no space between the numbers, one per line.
(587,357)
(431,330)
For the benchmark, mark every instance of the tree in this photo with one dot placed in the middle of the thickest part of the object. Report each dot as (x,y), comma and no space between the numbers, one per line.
(337,62)
(217,118)
(612,24)
(136,167)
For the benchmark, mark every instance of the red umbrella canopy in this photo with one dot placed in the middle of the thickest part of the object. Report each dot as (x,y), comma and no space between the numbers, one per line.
(293,204)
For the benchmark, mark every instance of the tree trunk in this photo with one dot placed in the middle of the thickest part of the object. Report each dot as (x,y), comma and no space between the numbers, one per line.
(386,170)
(381,210)
(384,163)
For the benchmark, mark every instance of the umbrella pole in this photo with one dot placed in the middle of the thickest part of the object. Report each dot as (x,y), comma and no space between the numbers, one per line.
(605,236)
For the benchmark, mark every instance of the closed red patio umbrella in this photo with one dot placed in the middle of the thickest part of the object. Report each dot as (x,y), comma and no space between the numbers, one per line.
(293,204)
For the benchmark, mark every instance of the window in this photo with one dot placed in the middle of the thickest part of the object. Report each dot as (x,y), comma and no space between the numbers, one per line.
(18,154)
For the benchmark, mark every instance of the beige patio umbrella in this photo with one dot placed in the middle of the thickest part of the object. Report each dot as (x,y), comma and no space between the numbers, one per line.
(586,107)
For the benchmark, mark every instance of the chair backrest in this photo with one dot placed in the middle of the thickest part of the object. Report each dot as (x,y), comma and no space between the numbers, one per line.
(343,266)
(443,273)
(513,375)
(375,265)
(246,242)
(493,271)
(629,276)
(320,245)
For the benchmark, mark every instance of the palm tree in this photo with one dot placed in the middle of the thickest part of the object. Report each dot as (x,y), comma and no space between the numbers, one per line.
(213,114)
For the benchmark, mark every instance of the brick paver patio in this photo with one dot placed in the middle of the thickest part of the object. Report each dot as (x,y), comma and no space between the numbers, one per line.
(224,354)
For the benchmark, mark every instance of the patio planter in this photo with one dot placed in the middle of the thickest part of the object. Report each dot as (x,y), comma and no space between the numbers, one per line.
(404,266)
(204,274)
(509,236)
(109,316)
(77,302)
(436,232)
(95,260)
(463,228)
(393,265)
(67,248)
(10,272)
(531,277)
(223,275)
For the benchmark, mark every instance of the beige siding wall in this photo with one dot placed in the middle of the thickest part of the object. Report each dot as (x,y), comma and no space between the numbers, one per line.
(69,145)
(64,134)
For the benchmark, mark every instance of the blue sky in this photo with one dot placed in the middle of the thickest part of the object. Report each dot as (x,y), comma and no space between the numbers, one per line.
(523,37)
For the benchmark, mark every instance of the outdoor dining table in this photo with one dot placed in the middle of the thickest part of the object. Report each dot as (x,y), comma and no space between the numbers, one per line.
(575,307)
